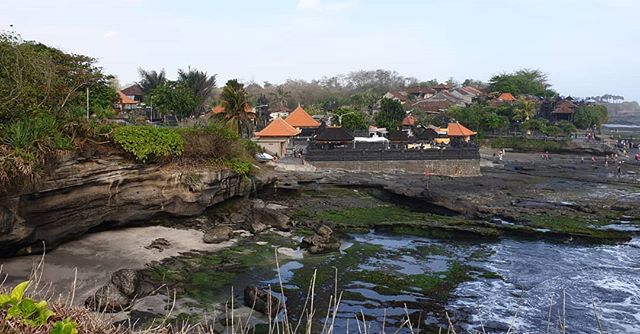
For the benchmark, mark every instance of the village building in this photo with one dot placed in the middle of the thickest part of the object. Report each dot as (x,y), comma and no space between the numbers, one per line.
(329,137)
(420,93)
(301,120)
(563,111)
(400,96)
(219,110)
(458,131)
(506,98)
(134,92)
(125,103)
(276,138)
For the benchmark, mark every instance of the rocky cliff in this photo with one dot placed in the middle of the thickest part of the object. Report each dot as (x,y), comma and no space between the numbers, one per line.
(81,194)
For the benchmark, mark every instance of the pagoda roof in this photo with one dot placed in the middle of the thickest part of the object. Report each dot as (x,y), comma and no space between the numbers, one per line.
(124,99)
(278,128)
(301,119)
(459,130)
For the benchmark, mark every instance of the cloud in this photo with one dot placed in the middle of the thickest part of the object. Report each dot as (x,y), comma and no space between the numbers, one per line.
(327,5)
(110,34)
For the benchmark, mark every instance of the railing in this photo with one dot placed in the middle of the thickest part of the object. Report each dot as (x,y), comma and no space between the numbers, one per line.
(348,154)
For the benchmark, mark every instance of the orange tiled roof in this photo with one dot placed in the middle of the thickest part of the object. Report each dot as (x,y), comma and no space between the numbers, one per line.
(458,130)
(300,119)
(278,128)
(507,97)
(220,109)
(125,99)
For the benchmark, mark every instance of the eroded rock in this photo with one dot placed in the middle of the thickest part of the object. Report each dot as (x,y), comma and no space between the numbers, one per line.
(260,300)
(218,234)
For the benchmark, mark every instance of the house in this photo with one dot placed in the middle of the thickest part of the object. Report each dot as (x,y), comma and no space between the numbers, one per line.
(125,103)
(459,131)
(432,106)
(441,87)
(219,110)
(134,92)
(506,98)
(376,131)
(421,93)
(397,95)
(328,137)
(408,123)
(300,119)
(276,137)
(563,111)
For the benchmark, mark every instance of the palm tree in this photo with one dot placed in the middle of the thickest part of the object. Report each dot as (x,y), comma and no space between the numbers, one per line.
(235,101)
(149,80)
(280,97)
(200,84)
(525,111)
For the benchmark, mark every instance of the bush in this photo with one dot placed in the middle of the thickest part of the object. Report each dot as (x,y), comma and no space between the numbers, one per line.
(146,142)
(239,166)
(528,145)
(210,142)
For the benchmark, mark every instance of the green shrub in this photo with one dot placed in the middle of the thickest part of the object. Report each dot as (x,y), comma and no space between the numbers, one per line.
(239,166)
(146,142)
(528,145)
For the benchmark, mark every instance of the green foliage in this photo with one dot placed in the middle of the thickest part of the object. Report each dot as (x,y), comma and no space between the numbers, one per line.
(235,102)
(528,145)
(587,116)
(35,78)
(522,82)
(101,100)
(200,84)
(552,130)
(239,166)
(175,98)
(26,310)
(567,127)
(535,124)
(146,142)
(391,114)
(27,133)
(66,326)
(351,119)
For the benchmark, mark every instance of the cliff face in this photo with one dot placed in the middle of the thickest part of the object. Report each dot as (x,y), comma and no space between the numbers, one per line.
(83,194)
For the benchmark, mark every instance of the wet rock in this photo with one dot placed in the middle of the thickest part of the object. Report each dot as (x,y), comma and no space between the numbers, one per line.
(149,308)
(107,299)
(321,242)
(236,218)
(273,206)
(218,234)
(271,218)
(160,244)
(126,281)
(257,227)
(259,300)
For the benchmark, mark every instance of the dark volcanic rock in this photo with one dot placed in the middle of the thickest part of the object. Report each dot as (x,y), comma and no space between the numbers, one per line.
(160,244)
(107,299)
(126,281)
(218,234)
(269,217)
(260,299)
(321,242)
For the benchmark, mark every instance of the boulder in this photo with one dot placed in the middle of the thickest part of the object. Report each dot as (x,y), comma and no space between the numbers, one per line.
(257,227)
(270,217)
(218,234)
(321,242)
(236,218)
(107,299)
(126,281)
(260,299)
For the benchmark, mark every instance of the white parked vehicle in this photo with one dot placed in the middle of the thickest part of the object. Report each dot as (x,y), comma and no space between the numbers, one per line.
(264,157)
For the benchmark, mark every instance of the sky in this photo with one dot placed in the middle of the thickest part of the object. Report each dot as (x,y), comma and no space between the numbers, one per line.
(587,47)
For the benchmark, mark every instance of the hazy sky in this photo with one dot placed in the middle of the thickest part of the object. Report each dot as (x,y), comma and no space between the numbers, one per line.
(588,47)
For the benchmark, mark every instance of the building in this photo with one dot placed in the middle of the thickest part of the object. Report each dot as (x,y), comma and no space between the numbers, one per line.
(459,131)
(276,137)
(507,98)
(134,92)
(301,120)
(563,111)
(125,103)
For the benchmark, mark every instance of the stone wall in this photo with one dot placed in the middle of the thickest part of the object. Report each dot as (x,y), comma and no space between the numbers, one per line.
(455,168)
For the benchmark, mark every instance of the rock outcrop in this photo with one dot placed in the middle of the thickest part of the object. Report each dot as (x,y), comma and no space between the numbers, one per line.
(82,194)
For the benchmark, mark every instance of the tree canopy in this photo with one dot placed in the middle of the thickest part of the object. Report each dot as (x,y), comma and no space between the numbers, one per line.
(390,115)
(522,82)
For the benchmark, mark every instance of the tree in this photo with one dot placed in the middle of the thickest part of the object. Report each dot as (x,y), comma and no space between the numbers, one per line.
(495,122)
(235,101)
(351,119)
(587,116)
(36,79)
(525,110)
(149,80)
(173,97)
(201,86)
(535,124)
(567,127)
(522,82)
(280,96)
(391,114)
